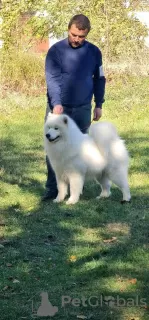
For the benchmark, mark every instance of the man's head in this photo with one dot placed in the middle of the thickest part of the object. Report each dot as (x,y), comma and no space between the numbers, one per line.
(78,28)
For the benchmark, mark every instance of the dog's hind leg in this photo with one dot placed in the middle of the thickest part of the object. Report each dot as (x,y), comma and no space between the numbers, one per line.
(76,186)
(120,178)
(62,189)
(105,184)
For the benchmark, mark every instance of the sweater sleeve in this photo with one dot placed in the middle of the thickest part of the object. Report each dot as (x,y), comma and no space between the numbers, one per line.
(99,81)
(53,76)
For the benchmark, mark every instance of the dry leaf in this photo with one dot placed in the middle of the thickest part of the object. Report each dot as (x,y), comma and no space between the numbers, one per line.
(15,281)
(146,307)
(8,265)
(133,281)
(17,210)
(110,240)
(6,287)
(72,258)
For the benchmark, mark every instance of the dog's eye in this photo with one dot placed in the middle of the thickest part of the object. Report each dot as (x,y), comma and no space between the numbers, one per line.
(56,128)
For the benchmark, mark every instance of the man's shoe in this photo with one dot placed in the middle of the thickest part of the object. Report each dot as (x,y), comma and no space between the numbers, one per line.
(49,195)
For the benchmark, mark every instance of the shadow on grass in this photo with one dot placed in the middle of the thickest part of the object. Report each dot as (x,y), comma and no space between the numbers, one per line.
(17,162)
(64,250)
(38,256)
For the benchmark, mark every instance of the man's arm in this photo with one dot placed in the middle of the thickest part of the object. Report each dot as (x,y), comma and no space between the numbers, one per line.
(53,78)
(99,82)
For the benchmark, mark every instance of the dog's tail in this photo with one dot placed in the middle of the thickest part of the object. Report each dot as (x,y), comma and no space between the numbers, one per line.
(108,141)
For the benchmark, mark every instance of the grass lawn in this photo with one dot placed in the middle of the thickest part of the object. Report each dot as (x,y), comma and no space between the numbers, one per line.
(96,251)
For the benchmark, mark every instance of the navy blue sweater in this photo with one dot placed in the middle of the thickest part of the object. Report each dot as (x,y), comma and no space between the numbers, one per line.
(74,75)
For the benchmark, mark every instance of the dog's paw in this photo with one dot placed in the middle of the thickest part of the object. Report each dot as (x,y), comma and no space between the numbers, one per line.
(71,201)
(104,195)
(57,200)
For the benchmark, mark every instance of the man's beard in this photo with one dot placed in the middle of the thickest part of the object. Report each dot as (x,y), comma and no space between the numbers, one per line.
(75,44)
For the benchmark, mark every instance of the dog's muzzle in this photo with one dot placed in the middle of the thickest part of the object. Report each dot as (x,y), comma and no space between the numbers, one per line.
(48,136)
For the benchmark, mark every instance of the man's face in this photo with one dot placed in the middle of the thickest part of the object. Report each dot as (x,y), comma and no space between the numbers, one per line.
(76,37)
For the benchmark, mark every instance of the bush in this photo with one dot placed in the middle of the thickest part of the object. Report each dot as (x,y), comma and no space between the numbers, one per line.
(23,72)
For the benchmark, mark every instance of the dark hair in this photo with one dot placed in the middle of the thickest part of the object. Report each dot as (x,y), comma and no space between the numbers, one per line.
(80,21)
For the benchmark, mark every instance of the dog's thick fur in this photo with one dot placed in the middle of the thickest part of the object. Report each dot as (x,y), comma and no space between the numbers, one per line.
(74,155)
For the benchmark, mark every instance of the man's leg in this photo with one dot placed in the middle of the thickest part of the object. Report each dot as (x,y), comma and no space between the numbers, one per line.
(51,185)
(82,117)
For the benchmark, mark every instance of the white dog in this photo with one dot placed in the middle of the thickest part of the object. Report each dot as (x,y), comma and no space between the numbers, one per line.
(74,155)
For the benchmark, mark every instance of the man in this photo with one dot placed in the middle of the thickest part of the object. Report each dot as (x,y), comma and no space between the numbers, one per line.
(74,74)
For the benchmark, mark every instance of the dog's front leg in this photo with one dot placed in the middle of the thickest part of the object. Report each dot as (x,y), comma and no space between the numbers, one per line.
(76,181)
(62,189)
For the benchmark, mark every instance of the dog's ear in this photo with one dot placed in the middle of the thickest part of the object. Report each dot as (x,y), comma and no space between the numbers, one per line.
(65,119)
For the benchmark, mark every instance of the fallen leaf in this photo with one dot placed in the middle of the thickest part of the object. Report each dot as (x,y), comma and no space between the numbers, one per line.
(6,287)
(15,281)
(81,317)
(146,307)
(8,265)
(133,281)
(110,240)
(47,243)
(17,210)
(72,258)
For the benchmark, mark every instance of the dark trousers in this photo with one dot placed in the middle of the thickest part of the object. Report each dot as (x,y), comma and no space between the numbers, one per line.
(82,117)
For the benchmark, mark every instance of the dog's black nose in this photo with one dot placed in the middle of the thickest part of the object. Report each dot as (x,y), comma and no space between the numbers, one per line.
(48,136)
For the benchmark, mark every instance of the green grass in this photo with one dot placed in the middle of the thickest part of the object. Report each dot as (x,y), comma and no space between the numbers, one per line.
(38,240)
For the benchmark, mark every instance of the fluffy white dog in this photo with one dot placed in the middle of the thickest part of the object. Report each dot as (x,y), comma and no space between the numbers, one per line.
(74,155)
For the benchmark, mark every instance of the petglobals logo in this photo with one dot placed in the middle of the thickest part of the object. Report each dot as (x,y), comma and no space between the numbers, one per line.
(101,301)
(47,309)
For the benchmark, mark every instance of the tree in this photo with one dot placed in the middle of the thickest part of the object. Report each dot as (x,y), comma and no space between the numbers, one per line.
(114,29)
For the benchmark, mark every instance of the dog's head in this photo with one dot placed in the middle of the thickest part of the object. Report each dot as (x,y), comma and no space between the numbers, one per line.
(55,127)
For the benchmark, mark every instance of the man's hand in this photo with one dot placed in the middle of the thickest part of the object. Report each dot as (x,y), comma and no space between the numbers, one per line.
(58,109)
(97,114)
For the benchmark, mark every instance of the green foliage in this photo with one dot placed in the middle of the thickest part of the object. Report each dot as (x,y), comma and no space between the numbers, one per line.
(114,29)
(23,72)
